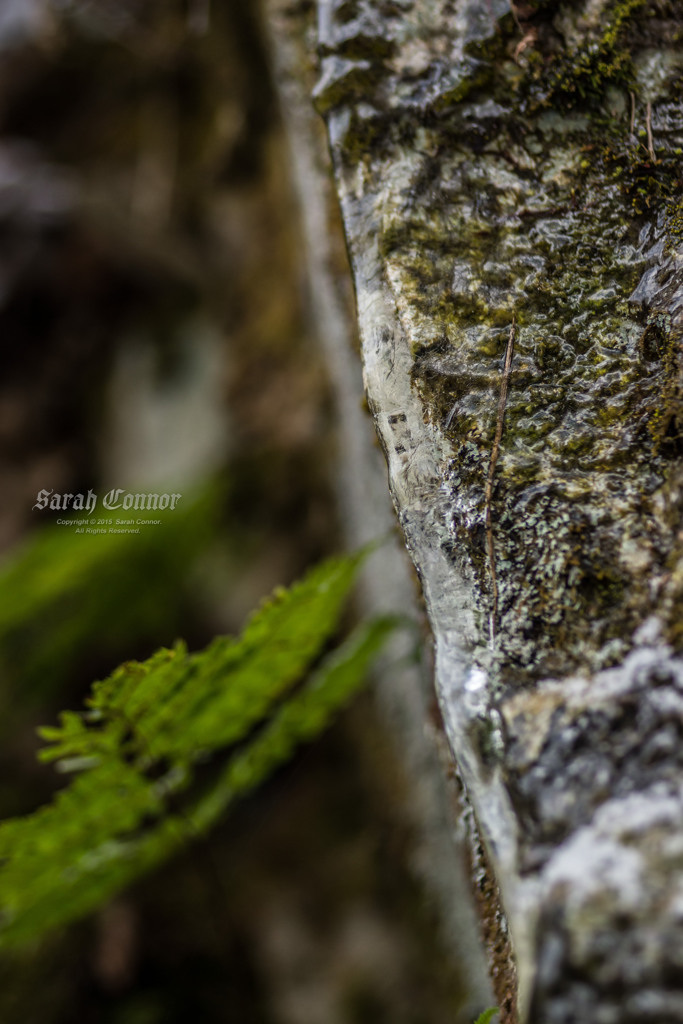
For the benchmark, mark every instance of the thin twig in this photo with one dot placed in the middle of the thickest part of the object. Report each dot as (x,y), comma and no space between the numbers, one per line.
(502,402)
(633,114)
(650,142)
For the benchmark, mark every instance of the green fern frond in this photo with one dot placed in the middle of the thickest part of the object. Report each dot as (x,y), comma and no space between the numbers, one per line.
(179,705)
(134,798)
(301,719)
(487,1016)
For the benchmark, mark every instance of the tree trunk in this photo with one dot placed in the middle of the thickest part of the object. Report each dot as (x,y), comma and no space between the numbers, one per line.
(509,179)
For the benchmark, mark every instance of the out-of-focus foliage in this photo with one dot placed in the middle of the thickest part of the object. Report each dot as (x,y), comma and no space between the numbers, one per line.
(166,745)
(487,1015)
(60,590)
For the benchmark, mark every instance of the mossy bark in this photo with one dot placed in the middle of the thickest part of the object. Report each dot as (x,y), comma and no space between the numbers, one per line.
(512,171)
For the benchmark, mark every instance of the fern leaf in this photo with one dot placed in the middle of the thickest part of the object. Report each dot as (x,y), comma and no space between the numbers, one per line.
(487,1015)
(178,706)
(301,719)
(53,860)
(148,723)
(280,640)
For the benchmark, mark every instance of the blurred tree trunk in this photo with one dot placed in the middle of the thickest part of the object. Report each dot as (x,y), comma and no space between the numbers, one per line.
(433,800)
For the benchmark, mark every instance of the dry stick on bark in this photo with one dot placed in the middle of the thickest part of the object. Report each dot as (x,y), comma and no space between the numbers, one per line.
(650,141)
(633,114)
(502,402)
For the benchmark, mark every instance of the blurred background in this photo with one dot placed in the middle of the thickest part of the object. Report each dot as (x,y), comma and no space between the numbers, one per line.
(155,335)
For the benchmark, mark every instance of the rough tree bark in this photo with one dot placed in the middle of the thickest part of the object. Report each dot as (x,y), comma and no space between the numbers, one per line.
(509,179)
